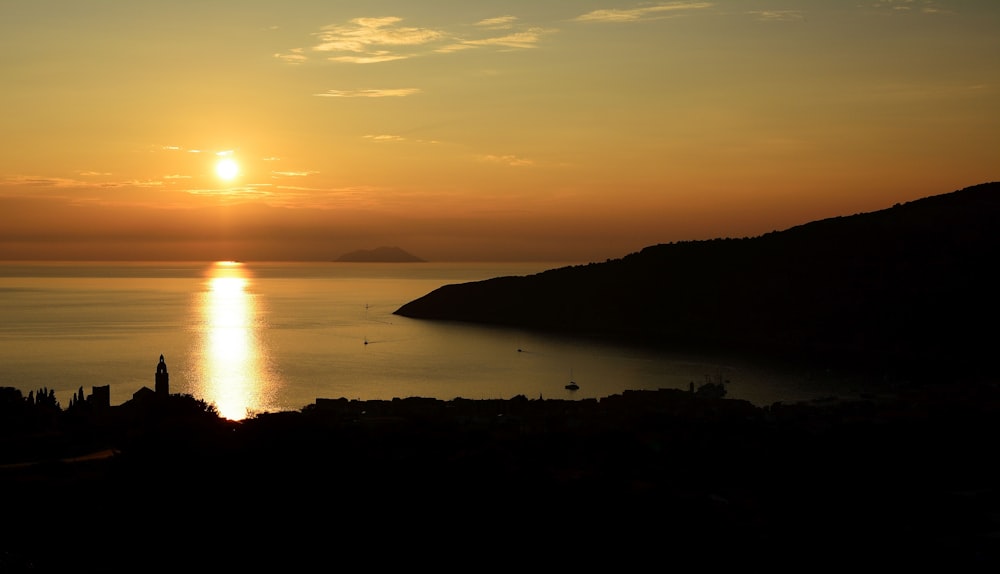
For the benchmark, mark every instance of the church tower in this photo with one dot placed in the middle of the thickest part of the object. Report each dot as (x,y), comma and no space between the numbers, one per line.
(162,379)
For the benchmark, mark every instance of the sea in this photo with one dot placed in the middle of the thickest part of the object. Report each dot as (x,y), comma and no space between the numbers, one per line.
(257,337)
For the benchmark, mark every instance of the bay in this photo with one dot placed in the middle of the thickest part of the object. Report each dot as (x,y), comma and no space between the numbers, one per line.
(252,337)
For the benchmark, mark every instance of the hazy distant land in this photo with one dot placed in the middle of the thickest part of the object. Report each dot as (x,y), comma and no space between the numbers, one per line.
(905,477)
(380,255)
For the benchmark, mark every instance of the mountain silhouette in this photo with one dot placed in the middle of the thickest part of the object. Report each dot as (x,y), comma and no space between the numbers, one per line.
(380,255)
(905,291)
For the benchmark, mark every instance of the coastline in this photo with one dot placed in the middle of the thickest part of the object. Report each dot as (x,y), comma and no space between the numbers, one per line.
(907,477)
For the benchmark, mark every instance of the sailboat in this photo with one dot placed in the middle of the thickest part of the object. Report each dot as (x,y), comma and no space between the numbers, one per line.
(572,386)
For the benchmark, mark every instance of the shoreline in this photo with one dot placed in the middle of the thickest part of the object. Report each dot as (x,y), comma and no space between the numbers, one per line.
(906,478)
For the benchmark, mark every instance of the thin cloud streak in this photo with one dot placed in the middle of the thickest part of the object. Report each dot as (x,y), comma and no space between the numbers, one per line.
(511,160)
(498,22)
(523,40)
(293,56)
(778,15)
(385,138)
(909,6)
(35,182)
(642,120)
(367,32)
(385,93)
(639,14)
(379,40)
(368,39)
(294,173)
(303,198)
(255,191)
(372,59)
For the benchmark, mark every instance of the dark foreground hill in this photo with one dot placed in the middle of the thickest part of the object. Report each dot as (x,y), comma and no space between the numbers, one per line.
(643,478)
(906,291)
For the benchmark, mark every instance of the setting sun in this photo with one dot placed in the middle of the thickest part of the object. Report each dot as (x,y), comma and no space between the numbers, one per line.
(227,168)
(447,133)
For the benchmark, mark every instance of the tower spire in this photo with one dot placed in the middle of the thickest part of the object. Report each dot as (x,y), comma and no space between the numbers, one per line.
(162,378)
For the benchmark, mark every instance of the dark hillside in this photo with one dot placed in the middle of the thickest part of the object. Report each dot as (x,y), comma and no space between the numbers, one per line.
(627,480)
(904,291)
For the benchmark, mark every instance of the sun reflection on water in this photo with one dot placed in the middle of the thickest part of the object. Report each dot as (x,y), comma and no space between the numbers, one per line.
(233,357)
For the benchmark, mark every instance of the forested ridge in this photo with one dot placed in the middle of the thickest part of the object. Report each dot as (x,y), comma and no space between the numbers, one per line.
(904,291)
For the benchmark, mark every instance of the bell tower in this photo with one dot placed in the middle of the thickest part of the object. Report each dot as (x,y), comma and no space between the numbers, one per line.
(162,378)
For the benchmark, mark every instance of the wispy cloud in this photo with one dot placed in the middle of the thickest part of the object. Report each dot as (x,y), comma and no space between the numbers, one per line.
(385,138)
(778,15)
(392,138)
(25,181)
(169,148)
(385,39)
(302,197)
(384,93)
(522,40)
(500,22)
(374,58)
(511,160)
(363,33)
(369,40)
(640,14)
(35,181)
(293,56)
(256,191)
(293,173)
(921,6)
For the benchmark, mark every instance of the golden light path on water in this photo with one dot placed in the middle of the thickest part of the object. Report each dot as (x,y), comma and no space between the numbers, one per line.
(232,365)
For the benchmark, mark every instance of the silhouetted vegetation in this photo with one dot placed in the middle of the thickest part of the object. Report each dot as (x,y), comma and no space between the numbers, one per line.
(669,477)
(684,472)
(903,292)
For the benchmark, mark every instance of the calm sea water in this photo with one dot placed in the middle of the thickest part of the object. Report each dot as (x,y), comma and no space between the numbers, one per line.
(258,337)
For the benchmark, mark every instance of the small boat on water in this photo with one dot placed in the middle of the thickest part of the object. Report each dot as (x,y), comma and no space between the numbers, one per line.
(572,386)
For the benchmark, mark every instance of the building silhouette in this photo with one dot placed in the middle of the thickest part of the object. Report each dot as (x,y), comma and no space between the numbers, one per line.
(162,379)
(100,397)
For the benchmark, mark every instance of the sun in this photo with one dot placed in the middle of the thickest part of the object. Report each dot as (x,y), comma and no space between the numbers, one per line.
(227,169)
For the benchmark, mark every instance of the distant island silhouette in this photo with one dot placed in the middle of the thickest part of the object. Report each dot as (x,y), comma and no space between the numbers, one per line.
(904,478)
(902,292)
(380,255)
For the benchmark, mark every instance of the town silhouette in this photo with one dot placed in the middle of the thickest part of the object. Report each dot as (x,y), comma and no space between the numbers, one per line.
(162,480)
(900,476)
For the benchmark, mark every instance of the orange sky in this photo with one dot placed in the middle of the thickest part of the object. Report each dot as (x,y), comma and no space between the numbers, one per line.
(548,131)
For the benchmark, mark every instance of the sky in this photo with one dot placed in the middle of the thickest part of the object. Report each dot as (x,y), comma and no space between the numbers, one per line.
(538,130)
